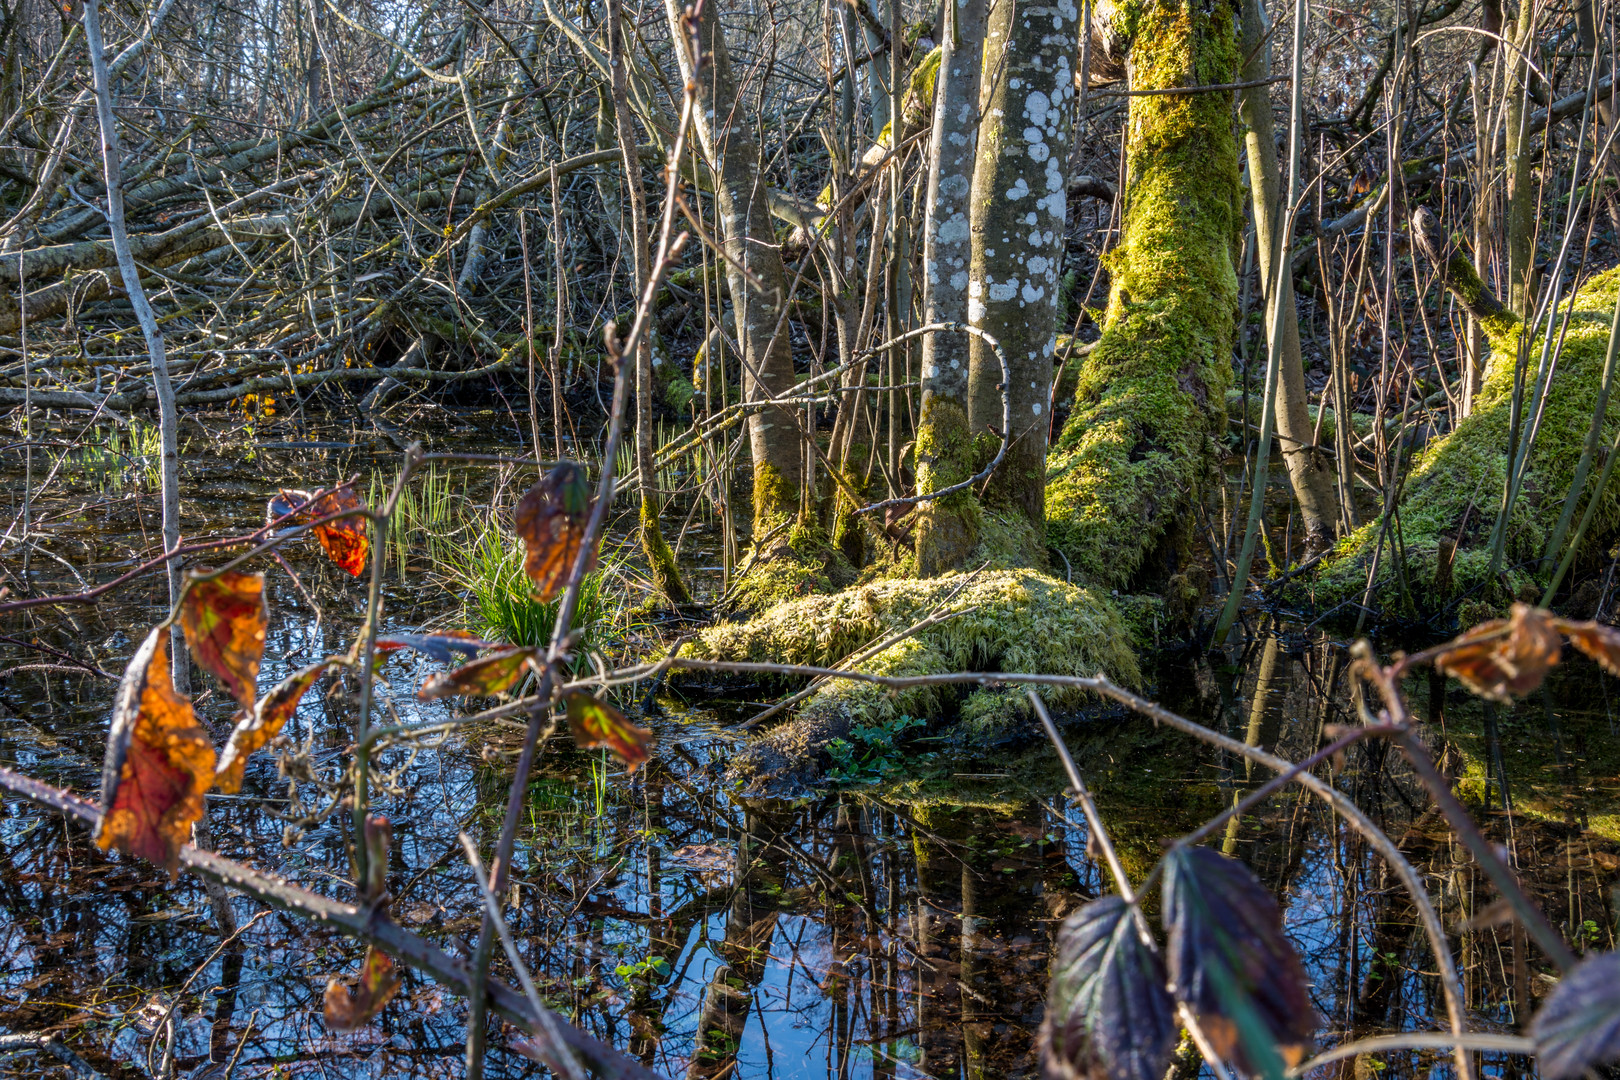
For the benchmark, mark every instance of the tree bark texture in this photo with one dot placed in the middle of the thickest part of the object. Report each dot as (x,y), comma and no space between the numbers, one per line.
(947,529)
(727,139)
(660,560)
(1020,200)
(1519,199)
(1135,452)
(1308,471)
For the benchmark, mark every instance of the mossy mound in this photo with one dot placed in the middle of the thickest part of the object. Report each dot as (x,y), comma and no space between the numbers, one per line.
(797,562)
(1455,488)
(1021,620)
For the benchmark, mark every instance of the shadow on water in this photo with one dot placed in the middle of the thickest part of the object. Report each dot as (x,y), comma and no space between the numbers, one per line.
(901,928)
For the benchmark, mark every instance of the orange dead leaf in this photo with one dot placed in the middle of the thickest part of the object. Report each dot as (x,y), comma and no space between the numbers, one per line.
(596,723)
(261,725)
(344,540)
(494,674)
(224,621)
(159,762)
(346,1010)
(1601,643)
(550,520)
(1505,658)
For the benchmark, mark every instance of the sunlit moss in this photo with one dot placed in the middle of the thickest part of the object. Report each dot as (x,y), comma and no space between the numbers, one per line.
(1134,453)
(1020,620)
(1455,487)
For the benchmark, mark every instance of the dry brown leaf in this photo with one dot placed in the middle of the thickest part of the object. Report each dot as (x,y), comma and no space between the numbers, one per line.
(159,762)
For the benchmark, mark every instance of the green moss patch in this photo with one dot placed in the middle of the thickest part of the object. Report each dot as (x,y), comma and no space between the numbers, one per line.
(1455,488)
(1021,621)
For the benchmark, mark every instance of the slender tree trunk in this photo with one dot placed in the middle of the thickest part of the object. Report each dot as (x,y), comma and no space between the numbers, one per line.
(660,560)
(1308,471)
(1136,450)
(168,420)
(1519,200)
(1020,181)
(726,134)
(948,529)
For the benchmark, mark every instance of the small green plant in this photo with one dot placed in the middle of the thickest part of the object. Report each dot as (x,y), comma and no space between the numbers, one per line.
(500,598)
(110,459)
(599,776)
(871,753)
(643,970)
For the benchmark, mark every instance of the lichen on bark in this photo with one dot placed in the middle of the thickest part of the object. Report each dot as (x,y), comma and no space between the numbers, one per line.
(1134,454)
(1020,201)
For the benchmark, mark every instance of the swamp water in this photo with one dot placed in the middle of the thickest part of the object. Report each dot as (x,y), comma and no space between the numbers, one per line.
(898,926)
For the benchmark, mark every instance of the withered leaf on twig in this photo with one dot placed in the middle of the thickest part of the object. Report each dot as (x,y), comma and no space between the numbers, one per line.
(596,723)
(1504,658)
(224,620)
(159,762)
(346,1010)
(494,674)
(345,541)
(1601,643)
(550,520)
(262,724)
(1230,961)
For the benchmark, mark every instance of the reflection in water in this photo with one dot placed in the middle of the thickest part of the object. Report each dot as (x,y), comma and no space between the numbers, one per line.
(888,933)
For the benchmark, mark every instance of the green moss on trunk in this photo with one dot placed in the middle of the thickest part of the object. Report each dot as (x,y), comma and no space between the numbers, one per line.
(660,560)
(948,528)
(1134,453)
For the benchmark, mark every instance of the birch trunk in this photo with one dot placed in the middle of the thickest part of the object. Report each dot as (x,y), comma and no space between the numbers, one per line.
(168,420)
(948,529)
(660,560)
(1519,199)
(1020,182)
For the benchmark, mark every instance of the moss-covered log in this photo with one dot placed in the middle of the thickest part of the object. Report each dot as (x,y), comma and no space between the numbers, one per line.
(1020,620)
(1452,495)
(1134,453)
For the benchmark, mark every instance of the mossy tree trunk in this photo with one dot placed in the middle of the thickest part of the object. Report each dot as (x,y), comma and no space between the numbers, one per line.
(660,560)
(726,135)
(1308,471)
(1133,457)
(948,529)
(1020,181)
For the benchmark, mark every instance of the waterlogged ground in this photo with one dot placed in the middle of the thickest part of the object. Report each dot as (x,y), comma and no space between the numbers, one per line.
(899,927)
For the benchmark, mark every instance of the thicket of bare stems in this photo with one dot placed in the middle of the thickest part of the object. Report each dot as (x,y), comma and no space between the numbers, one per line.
(331,201)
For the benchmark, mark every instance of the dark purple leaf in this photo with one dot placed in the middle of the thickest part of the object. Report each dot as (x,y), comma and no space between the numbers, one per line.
(1579,1026)
(1108,1014)
(1230,961)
